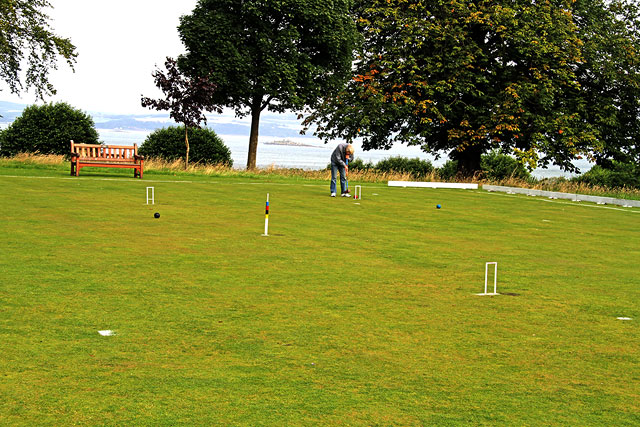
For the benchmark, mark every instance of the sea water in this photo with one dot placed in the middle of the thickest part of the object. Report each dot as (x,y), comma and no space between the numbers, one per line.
(304,152)
(292,152)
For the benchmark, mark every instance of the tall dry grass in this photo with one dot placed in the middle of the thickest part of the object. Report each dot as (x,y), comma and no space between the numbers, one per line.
(177,167)
(34,159)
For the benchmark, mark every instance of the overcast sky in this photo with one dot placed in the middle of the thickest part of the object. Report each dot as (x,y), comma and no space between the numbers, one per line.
(119,44)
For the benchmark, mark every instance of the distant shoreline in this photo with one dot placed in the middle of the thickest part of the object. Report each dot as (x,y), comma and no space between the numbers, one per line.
(289,143)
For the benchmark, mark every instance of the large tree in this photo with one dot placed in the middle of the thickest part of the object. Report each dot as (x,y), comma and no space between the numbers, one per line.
(274,54)
(609,76)
(465,78)
(25,37)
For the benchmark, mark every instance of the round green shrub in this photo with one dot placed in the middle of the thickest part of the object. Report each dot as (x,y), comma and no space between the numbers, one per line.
(47,129)
(497,166)
(205,147)
(416,167)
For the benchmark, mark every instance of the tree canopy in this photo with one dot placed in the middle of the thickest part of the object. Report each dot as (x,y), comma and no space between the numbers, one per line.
(275,54)
(25,36)
(464,78)
(609,76)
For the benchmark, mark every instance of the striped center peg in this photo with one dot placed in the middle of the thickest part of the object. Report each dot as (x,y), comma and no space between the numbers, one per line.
(266,217)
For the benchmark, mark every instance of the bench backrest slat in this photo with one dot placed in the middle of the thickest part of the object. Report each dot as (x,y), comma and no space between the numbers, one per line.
(113,153)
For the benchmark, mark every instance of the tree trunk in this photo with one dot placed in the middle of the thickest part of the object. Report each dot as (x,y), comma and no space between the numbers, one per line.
(468,159)
(256,109)
(186,141)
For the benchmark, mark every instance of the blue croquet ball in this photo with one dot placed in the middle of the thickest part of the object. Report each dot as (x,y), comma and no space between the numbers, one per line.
(156,215)
(438,206)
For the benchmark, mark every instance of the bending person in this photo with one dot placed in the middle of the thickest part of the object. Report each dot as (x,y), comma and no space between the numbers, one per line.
(339,163)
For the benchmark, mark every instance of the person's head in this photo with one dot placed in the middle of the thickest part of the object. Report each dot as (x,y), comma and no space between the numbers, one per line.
(350,150)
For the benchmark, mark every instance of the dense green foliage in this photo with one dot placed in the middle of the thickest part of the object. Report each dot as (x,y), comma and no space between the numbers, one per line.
(47,129)
(358,165)
(279,55)
(497,166)
(26,39)
(494,166)
(416,167)
(168,144)
(538,80)
(609,76)
(449,170)
(616,175)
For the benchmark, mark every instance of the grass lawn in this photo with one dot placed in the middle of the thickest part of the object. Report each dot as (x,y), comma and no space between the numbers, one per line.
(347,314)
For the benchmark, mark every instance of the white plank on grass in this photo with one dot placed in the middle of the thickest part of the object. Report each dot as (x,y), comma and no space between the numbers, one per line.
(433,185)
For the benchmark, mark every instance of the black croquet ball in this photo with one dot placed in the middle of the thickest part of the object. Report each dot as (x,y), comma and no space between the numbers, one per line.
(156,215)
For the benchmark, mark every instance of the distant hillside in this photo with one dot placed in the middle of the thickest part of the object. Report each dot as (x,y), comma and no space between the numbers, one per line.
(278,125)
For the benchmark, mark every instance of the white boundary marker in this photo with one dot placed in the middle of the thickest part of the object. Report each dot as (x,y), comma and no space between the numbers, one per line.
(433,185)
(495,278)
(153,202)
(553,195)
(567,203)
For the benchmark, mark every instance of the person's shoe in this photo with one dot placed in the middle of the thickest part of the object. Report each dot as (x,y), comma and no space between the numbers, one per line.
(346,195)
(333,194)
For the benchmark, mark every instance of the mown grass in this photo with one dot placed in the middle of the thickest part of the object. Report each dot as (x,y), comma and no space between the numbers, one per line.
(353,314)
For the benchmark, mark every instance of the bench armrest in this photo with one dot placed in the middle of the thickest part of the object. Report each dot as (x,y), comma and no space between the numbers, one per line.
(138,157)
(74,154)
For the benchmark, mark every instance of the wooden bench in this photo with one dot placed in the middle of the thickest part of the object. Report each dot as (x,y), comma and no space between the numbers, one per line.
(106,156)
